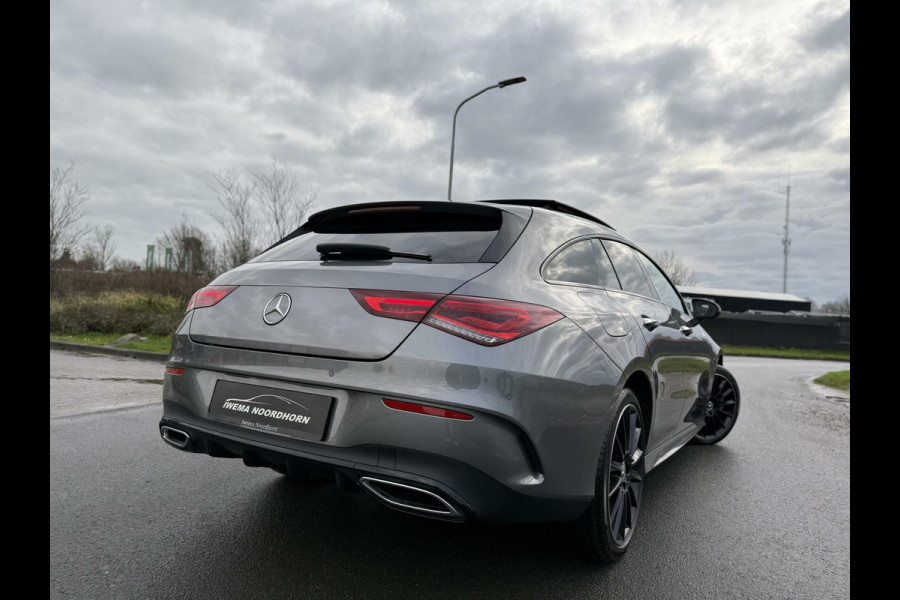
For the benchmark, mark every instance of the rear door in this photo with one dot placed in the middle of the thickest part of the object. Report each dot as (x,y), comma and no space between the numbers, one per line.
(660,328)
(322,317)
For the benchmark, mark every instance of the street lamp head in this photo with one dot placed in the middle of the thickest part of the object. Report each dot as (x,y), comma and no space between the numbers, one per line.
(512,81)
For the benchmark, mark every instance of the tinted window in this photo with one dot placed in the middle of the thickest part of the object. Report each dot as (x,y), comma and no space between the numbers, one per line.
(443,246)
(575,264)
(629,270)
(664,289)
(608,277)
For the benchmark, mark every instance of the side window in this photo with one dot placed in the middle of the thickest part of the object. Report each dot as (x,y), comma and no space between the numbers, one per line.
(629,270)
(575,264)
(667,294)
(608,277)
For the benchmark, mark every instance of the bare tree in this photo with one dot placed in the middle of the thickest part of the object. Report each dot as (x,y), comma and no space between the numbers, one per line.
(238,221)
(101,248)
(66,199)
(278,194)
(840,306)
(675,268)
(125,264)
(192,249)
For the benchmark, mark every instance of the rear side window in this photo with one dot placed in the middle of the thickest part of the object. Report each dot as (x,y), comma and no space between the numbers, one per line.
(629,270)
(667,294)
(574,264)
(445,233)
(608,277)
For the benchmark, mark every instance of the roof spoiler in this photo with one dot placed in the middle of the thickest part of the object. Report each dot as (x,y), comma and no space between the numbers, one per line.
(555,207)
(444,216)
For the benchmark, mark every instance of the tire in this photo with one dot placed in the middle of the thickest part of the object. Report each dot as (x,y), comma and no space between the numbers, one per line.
(604,532)
(722,410)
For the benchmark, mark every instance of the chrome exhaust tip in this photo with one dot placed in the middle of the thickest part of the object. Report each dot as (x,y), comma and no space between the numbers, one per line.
(175,437)
(409,498)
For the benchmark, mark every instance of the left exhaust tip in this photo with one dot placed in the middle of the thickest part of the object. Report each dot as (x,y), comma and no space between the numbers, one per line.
(175,437)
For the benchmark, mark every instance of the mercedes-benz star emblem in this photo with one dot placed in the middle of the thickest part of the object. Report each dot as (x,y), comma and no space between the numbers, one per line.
(277,309)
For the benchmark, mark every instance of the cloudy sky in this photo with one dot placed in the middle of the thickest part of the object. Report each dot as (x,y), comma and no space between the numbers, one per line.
(678,122)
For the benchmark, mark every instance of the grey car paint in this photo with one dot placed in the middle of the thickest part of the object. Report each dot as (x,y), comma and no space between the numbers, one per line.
(314,326)
(540,402)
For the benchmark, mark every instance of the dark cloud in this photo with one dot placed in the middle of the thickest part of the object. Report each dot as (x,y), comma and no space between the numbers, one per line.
(829,33)
(678,123)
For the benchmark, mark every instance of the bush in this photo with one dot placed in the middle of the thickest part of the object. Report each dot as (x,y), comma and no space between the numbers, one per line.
(117,312)
(67,283)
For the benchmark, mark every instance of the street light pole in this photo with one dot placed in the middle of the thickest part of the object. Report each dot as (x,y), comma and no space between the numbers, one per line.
(500,84)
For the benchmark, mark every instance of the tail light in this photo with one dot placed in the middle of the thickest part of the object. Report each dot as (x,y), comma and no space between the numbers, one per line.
(209,296)
(485,321)
(407,306)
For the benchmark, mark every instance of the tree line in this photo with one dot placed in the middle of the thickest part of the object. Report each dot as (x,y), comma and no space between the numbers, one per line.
(256,208)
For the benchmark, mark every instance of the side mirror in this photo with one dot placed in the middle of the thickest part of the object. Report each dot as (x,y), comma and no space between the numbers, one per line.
(704,309)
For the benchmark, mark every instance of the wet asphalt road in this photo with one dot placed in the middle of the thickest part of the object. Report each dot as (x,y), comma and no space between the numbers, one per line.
(766,514)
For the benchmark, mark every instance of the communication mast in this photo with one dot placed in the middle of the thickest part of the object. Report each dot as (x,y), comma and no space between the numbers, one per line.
(787,237)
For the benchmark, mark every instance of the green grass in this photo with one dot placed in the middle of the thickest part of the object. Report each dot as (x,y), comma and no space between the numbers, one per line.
(153,343)
(843,355)
(839,380)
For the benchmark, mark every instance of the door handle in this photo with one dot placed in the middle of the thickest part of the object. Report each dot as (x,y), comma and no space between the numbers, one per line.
(649,323)
(687,330)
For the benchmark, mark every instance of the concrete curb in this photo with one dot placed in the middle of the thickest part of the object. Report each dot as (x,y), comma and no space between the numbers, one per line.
(121,352)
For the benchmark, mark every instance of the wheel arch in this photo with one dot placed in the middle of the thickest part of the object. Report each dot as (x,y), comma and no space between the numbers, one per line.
(638,381)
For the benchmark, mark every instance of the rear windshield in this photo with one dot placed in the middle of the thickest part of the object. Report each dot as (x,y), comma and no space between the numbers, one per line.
(448,237)
(443,246)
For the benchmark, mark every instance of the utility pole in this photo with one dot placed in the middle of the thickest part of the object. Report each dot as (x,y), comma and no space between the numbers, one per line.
(787,231)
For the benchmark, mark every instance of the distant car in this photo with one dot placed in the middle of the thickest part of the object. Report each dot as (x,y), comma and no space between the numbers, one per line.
(511,360)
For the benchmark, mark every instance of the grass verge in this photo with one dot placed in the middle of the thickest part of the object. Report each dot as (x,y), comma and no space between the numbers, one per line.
(842,355)
(153,343)
(839,380)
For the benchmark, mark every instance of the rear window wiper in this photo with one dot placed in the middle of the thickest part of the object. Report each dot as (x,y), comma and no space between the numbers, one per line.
(363,252)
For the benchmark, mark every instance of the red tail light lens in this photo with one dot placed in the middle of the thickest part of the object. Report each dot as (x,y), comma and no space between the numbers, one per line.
(426,410)
(406,306)
(174,370)
(487,321)
(209,296)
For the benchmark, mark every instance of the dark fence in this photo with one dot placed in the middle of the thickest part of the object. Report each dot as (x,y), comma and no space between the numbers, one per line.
(819,332)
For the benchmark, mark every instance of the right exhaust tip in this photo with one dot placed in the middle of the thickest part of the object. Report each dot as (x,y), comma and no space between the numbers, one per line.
(175,437)
(408,498)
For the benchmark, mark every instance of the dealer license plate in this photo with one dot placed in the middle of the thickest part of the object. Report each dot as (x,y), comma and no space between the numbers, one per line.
(273,410)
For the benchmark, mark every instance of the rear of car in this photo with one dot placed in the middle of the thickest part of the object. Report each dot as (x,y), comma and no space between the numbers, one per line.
(441,381)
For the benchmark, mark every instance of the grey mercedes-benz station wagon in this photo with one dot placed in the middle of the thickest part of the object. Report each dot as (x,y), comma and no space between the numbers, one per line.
(509,360)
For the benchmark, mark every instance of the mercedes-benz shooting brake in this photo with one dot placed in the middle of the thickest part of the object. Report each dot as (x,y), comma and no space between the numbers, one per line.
(512,360)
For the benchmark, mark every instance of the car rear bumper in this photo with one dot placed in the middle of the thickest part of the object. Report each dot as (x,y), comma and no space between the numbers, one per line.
(540,407)
(415,482)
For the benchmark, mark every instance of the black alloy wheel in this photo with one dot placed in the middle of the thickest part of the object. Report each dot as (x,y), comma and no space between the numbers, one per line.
(603,533)
(721,411)
(625,480)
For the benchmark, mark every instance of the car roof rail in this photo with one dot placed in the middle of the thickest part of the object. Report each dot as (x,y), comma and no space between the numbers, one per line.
(554,206)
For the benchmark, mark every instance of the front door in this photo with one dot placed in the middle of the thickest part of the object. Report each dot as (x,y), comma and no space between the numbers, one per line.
(699,357)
